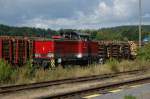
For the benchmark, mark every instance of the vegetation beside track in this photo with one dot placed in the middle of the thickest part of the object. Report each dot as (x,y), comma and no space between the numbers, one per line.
(144,53)
(129,97)
(28,74)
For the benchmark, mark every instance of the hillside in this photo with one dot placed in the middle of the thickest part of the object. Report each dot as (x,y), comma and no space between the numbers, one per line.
(25,31)
(114,33)
(122,33)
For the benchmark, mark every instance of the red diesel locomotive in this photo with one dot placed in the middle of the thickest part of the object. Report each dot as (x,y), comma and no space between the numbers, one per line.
(62,51)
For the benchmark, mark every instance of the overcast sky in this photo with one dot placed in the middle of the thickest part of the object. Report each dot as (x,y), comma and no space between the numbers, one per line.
(78,14)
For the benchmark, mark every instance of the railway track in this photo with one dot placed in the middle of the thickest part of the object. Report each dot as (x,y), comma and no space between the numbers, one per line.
(14,88)
(102,89)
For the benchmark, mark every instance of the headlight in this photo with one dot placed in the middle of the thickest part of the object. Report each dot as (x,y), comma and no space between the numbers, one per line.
(37,55)
(50,55)
(79,55)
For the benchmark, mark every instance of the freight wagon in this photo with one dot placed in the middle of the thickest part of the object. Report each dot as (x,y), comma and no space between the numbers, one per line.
(16,50)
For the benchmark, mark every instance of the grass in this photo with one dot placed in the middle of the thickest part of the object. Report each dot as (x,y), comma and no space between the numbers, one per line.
(5,71)
(27,74)
(129,97)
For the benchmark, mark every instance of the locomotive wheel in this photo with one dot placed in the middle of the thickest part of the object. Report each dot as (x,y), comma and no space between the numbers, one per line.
(45,64)
(90,61)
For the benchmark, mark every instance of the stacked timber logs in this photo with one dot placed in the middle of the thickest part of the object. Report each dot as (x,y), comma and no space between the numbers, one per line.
(117,50)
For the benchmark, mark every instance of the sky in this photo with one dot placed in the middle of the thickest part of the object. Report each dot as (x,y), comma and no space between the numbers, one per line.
(72,14)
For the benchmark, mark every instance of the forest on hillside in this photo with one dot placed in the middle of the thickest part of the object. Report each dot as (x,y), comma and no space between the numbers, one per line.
(114,33)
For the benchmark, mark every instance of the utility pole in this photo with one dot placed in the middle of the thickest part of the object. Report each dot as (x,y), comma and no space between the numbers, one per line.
(140,23)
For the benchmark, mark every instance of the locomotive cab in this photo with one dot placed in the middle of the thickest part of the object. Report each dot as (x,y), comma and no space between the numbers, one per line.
(76,36)
(86,49)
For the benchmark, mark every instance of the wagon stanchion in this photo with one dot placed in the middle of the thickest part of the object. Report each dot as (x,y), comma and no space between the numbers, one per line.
(1,46)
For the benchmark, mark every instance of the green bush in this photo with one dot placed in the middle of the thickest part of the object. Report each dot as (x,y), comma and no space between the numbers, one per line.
(129,97)
(144,53)
(5,71)
(113,64)
(23,74)
(29,69)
